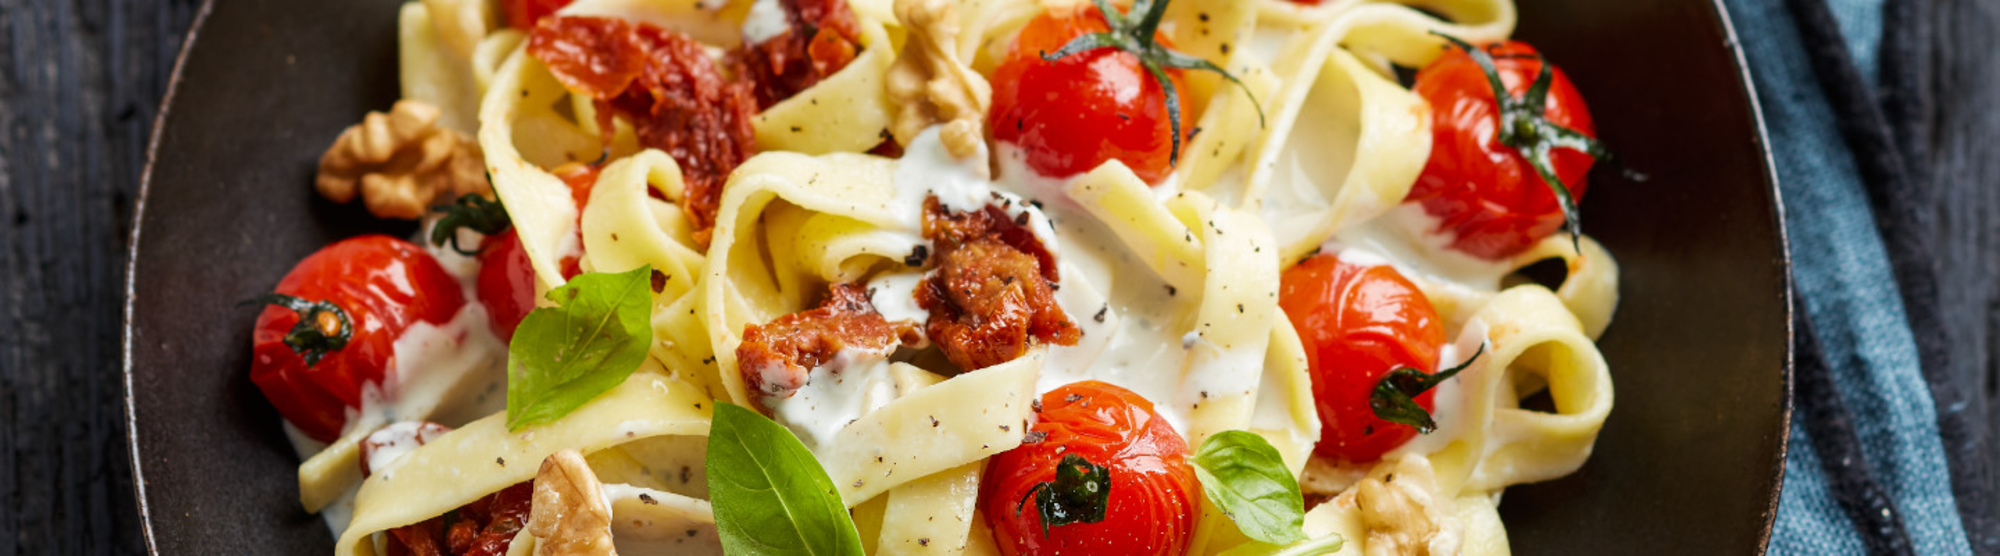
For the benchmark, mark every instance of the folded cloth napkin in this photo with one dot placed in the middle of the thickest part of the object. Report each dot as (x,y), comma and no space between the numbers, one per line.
(1868,470)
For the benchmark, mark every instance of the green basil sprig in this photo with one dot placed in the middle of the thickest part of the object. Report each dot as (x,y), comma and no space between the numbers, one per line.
(770,496)
(563,356)
(1245,476)
(1395,397)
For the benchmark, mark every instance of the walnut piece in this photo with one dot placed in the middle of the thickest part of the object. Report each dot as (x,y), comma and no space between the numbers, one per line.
(570,516)
(401,163)
(1405,515)
(931,84)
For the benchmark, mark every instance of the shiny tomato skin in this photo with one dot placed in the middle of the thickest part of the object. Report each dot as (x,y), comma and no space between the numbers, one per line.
(385,285)
(1153,498)
(522,14)
(506,283)
(1073,114)
(1357,324)
(1481,191)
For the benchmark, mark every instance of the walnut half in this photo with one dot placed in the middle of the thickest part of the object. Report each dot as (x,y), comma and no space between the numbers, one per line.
(931,84)
(570,516)
(401,163)
(1404,513)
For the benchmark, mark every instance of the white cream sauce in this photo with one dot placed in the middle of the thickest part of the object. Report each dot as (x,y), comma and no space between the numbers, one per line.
(1449,413)
(1407,238)
(392,442)
(894,295)
(766,20)
(856,383)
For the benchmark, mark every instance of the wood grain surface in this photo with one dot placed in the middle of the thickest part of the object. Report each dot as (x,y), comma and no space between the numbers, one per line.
(80,83)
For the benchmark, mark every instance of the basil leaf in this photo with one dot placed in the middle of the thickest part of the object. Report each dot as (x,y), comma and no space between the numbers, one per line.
(563,356)
(1329,544)
(1244,476)
(770,496)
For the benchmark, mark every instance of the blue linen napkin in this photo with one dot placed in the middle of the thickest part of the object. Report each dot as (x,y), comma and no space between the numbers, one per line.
(1845,287)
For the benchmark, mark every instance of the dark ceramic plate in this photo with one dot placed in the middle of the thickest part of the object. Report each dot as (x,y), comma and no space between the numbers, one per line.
(1689,462)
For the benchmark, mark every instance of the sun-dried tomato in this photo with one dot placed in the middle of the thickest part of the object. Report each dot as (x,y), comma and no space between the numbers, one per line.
(667,87)
(992,292)
(483,527)
(775,357)
(822,37)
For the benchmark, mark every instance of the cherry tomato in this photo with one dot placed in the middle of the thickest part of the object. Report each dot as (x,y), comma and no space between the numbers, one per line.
(1073,114)
(522,14)
(1358,323)
(1484,192)
(506,283)
(383,285)
(1151,502)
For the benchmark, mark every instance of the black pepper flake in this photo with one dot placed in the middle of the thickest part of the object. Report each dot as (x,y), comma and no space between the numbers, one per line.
(1122,116)
(1004,428)
(934,421)
(685,472)
(1193,132)
(795,129)
(660,281)
(1225,48)
(1053,286)
(1203,16)
(857,483)
(1034,437)
(1021,219)
(1172,291)
(1007,280)
(648,499)
(501,461)
(707,360)
(1072,398)
(1101,312)
(691,533)
(1239,307)
(917,256)
(924,541)
(1036,405)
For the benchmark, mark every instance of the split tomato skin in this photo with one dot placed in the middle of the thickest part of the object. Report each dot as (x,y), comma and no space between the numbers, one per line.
(506,283)
(1152,500)
(1071,115)
(1484,193)
(1358,323)
(385,285)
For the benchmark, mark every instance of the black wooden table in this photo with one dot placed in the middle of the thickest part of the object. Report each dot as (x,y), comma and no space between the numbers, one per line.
(80,82)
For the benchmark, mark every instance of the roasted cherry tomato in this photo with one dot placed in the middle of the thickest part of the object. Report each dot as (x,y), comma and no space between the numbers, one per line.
(1099,473)
(1483,192)
(506,283)
(360,295)
(1073,114)
(522,14)
(1358,323)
